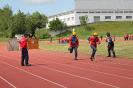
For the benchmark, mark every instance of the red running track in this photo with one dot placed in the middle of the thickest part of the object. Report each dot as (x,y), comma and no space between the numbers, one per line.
(59,70)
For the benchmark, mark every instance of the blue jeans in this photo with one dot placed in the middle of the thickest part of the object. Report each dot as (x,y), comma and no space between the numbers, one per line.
(75,49)
(94,49)
(25,56)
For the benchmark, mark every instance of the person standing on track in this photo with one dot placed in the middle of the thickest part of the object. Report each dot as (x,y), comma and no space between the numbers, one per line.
(73,45)
(24,51)
(93,41)
(110,45)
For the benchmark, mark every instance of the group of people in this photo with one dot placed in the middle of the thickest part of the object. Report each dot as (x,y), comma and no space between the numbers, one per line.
(128,37)
(63,40)
(93,41)
(73,46)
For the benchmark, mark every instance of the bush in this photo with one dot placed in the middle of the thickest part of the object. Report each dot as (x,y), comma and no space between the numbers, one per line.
(89,28)
(42,33)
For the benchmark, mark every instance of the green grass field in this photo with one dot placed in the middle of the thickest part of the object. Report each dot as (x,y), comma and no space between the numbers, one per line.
(115,28)
(123,49)
(3,39)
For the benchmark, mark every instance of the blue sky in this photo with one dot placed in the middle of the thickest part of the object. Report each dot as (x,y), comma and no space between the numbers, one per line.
(48,7)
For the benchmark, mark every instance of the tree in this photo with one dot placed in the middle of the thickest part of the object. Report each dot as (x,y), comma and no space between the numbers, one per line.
(5,20)
(38,21)
(57,25)
(18,24)
(83,20)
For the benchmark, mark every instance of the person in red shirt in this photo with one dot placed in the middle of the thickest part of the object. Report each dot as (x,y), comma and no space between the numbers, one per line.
(24,51)
(93,41)
(73,44)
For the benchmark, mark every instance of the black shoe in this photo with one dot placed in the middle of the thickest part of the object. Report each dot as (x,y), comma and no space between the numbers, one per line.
(22,64)
(91,58)
(28,64)
(109,56)
(114,56)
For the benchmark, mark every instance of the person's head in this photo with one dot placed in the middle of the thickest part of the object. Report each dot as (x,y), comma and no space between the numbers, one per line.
(25,35)
(95,34)
(108,34)
(74,33)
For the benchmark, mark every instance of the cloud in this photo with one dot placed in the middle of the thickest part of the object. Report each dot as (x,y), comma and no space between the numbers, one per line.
(38,2)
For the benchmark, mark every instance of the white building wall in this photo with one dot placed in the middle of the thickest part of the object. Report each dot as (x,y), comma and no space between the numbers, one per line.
(103,4)
(100,8)
(69,18)
(102,17)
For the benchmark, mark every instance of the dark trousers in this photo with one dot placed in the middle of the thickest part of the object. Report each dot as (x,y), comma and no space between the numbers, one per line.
(111,49)
(75,51)
(94,49)
(25,56)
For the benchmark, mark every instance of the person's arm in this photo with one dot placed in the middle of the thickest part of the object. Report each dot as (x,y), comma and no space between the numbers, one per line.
(69,40)
(77,42)
(98,41)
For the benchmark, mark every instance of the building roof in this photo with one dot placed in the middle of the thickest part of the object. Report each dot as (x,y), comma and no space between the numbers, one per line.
(104,4)
(63,13)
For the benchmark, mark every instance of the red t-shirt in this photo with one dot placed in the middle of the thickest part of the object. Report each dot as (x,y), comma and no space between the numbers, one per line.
(94,40)
(73,41)
(23,42)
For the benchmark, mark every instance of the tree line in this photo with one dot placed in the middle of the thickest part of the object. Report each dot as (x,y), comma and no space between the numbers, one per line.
(20,23)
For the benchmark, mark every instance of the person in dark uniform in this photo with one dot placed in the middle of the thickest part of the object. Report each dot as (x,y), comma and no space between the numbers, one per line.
(73,45)
(24,51)
(110,45)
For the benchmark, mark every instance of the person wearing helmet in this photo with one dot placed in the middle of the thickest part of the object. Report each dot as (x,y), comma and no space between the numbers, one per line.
(93,41)
(110,45)
(73,44)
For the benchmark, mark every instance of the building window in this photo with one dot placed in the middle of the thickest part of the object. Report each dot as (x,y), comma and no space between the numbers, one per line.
(118,17)
(107,17)
(68,19)
(118,11)
(81,12)
(91,12)
(72,18)
(128,11)
(97,12)
(128,17)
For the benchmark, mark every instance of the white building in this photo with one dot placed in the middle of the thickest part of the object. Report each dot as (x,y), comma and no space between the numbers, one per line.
(97,10)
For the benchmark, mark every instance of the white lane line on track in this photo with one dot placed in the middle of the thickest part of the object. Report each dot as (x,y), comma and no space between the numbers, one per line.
(107,67)
(77,76)
(7,82)
(99,64)
(33,75)
(120,64)
(91,70)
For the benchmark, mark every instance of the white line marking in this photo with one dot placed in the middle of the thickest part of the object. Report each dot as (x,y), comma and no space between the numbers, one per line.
(60,72)
(120,64)
(7,82)
(34,75)
(92,70)
(80,77)
(99,64)
(107,67)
